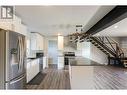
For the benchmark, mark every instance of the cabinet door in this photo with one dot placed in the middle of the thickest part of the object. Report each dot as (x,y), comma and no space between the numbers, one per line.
(28,72)
(35,67)
(33,42)
(40,42)
(44,63)
(60,62)
(32,69)
(36,41)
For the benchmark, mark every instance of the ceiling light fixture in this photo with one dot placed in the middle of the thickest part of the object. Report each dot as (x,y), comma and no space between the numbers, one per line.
(116,26)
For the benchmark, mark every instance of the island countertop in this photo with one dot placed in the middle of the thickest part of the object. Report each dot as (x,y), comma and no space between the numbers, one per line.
(32,59)
(80,61)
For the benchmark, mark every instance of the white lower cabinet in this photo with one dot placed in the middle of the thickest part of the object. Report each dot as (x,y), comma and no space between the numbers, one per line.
(60,62)
(45,62)
(32,69)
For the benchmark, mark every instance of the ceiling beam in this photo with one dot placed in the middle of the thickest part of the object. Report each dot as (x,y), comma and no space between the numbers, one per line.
(115,15)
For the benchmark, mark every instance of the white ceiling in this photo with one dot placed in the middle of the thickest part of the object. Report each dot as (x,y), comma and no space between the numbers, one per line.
(118,29)
(51,20)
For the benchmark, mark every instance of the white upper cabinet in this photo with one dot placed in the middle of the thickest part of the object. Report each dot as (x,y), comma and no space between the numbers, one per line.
(37,41)
(33,41)
(40,42)
(60,42)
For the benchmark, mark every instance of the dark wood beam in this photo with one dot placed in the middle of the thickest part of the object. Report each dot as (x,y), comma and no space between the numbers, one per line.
(115,15)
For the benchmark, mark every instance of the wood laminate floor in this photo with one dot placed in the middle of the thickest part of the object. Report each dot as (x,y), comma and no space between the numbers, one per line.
(54,79)
(105,77)
(110,77)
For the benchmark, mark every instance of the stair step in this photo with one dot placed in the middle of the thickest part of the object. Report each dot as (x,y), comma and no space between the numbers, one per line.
(101,49)
(125,64)
(125,61)
(87,40)
(98,47)
(93,42)
(104,51)
(108,54)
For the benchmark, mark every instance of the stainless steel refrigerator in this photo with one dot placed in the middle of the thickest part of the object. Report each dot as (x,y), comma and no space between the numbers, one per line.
(12,60)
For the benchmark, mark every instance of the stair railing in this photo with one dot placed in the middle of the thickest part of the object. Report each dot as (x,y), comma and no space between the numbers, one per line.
(108,40)
(103,41)
(119,51)
(110,43)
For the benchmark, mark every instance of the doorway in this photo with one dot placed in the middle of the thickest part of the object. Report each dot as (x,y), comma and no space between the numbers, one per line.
(52,52)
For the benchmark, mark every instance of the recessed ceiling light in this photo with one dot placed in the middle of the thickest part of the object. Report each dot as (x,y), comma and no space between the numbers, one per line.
(98,34)
(116,26)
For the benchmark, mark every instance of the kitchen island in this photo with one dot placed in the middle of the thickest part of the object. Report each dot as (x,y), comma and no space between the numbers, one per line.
(81,72)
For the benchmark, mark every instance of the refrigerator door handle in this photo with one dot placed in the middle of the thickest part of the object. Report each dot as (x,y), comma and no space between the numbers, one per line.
(18,47)
(23,53)
(20,54)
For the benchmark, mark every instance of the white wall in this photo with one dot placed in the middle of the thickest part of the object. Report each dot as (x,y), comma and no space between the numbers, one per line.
(86,50)
(98,56)
(71,47)
(93,53)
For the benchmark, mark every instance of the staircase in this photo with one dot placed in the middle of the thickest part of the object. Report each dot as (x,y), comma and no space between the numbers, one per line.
(111,48)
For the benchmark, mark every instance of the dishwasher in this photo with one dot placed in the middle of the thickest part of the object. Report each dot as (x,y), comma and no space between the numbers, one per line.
(40,56)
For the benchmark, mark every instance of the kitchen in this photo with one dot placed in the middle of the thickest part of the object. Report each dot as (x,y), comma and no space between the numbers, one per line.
(32,46)
(37,53)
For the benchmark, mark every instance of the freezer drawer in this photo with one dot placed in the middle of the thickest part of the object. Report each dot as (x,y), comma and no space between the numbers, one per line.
(17,83)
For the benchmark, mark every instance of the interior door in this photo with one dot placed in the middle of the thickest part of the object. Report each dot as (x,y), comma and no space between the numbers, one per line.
(53,52)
